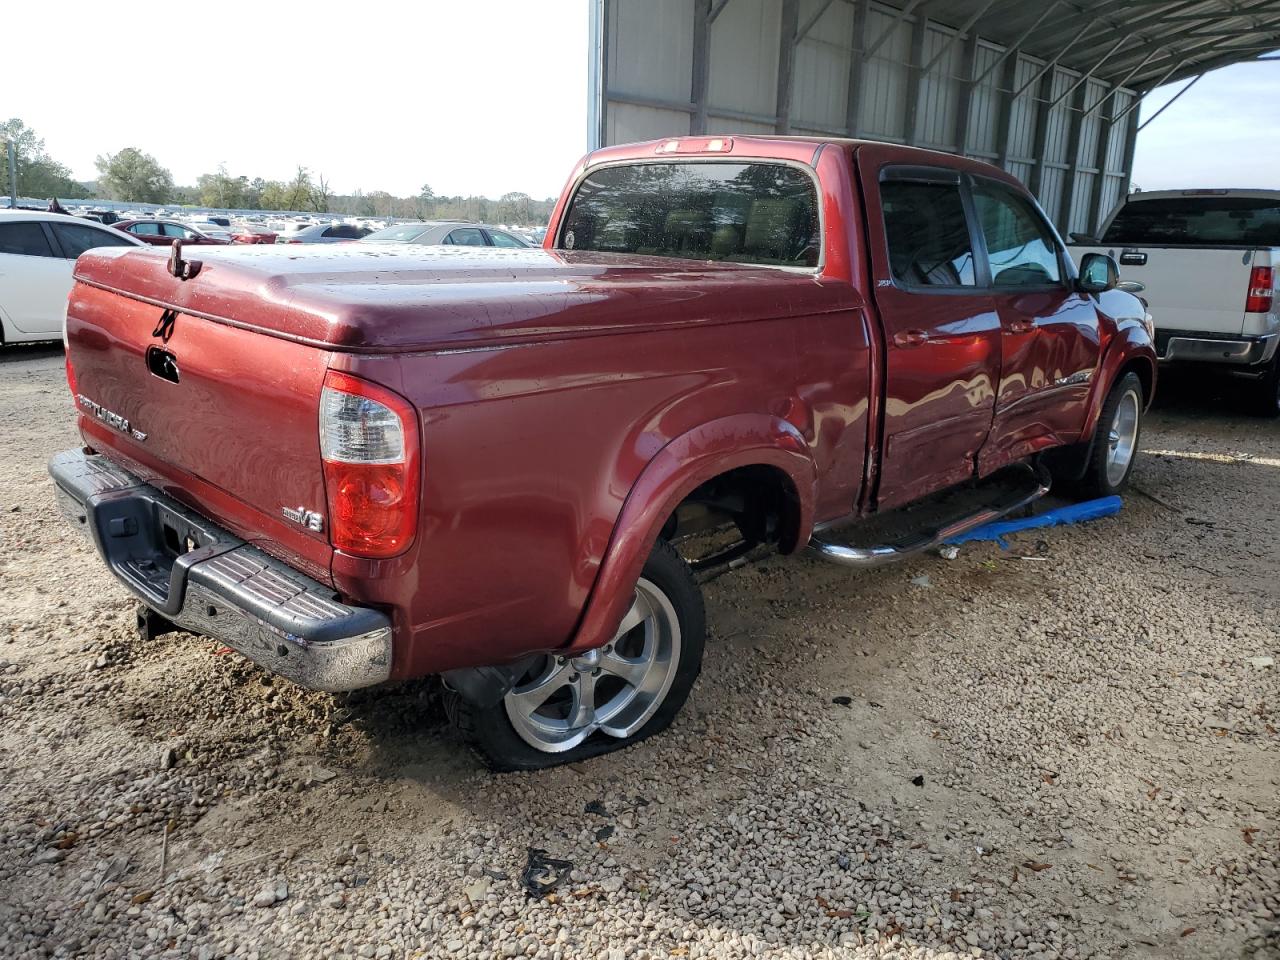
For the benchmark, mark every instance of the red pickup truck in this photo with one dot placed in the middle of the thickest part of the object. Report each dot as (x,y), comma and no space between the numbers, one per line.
(357,464)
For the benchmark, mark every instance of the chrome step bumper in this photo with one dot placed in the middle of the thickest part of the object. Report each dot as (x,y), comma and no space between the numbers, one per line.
(204,579)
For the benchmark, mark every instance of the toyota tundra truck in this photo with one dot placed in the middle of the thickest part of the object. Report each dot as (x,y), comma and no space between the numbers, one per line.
(1209,261)
(515,468)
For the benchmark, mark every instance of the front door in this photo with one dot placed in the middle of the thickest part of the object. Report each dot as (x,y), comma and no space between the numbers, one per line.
(1049,329)
(942,332)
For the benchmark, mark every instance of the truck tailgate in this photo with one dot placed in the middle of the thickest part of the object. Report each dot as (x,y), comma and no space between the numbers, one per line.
(1188,288)
(221,417)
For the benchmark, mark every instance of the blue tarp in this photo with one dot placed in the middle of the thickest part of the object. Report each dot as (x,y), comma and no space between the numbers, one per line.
(1076,513)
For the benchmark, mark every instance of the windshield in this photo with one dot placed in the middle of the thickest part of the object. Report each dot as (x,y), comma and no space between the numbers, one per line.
(401,232)
(744,212)
(1198,222)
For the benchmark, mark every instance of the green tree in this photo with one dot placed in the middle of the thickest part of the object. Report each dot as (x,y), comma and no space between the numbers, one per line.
(223,190)
(133,175)
(38,174)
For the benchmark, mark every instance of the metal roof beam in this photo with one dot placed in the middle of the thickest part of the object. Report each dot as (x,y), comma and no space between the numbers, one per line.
(853,91)
(1123,80)
(961,31)
(1016,46)
(889,30)
(1050,64)
(812,21)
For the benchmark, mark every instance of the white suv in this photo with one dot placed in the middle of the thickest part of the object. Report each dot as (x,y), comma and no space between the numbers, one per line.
(37,255)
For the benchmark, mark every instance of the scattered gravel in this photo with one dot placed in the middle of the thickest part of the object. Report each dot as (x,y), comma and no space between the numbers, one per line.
(1074,756)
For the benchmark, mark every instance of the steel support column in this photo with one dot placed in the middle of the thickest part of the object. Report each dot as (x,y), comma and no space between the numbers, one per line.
(1043,109)
(701,66)
(857,42)
(915,75)
(968,69)
(1009,98)
(1096,213)
(788,33)
(1062,216)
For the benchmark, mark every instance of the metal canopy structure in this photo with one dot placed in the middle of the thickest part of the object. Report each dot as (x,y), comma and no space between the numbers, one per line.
(1047,89)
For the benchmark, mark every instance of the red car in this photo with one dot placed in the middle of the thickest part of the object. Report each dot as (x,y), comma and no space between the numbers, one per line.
(252,234)
(495,465)
(162,233)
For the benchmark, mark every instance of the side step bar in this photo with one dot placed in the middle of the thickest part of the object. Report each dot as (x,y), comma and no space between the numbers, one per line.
(1037,486)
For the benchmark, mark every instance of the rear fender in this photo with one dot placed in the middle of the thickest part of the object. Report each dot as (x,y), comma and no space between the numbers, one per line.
(1130,344)
(678,469)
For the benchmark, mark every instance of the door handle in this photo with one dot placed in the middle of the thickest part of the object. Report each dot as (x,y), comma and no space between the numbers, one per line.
(1022,326)
(911,338)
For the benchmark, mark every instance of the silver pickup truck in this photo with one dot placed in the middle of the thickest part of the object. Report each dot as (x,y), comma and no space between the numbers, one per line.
(1210,263)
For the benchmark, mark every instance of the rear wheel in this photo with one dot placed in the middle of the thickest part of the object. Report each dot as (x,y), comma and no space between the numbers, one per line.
(1115,440)
(564,709)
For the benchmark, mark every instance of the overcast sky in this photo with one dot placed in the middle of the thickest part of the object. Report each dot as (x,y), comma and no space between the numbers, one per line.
(1221,133)
(474,97)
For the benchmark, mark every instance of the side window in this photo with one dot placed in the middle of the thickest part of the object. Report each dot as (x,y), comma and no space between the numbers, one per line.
(927,233)
(174,230)
(1020,246)
(466,237)
(500,239)
(76,239)
(24,239)
(146,229)
(330,233)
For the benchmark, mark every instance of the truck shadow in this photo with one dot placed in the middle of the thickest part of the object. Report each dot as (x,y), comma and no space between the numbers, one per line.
(18,352)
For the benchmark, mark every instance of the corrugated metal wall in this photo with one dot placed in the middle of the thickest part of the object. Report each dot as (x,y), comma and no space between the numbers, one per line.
(911,80)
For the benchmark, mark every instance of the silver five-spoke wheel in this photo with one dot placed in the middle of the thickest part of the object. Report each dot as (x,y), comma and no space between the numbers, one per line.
(1122,438)
(615,690)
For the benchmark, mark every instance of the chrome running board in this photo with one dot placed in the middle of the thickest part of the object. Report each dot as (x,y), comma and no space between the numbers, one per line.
(1030,489)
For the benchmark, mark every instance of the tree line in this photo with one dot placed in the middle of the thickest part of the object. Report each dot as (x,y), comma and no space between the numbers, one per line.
(133,176)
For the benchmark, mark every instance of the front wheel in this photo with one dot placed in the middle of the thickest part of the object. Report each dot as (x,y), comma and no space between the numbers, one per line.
(564,709)
(1115,440)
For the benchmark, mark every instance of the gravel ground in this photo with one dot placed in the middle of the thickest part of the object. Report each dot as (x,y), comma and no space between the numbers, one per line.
(1064,750)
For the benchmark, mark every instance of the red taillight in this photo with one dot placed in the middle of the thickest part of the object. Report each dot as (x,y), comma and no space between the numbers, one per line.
(1261,293)
(369,445)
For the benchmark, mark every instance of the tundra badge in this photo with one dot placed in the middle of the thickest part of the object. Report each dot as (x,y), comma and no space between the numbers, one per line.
(110,418)
(307,518)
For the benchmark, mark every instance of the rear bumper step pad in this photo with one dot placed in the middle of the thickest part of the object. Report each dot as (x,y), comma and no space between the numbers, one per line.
(204,579)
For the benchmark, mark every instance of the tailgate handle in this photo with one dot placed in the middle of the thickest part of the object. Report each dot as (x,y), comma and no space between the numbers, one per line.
(162,364)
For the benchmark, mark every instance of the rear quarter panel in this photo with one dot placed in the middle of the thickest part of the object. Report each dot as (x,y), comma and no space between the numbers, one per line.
(531,451)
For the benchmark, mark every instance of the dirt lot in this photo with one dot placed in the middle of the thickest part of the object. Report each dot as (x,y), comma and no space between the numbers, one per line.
(1069,749)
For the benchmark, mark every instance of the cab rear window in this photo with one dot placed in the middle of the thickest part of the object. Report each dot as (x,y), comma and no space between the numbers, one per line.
(742,212)
(1197,222)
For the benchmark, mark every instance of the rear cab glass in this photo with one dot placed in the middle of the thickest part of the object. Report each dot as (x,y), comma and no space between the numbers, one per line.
(1197,221)
(756,212)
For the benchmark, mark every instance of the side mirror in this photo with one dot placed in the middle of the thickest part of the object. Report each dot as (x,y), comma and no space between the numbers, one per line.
(1098,273)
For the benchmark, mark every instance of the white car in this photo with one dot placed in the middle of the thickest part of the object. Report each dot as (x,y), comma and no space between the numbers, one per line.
(37,254)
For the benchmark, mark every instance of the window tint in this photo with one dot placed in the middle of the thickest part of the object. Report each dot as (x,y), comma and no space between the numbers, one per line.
(343,231)
(146,229)
(927,233)
(24,239)
(1020,247)
(466,237)
(501,239)
(744,212)
(1198,221)
(174,230)
(76,239)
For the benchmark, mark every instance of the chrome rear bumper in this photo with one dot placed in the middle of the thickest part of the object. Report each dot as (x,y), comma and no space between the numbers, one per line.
(1200,348)
(202,578)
